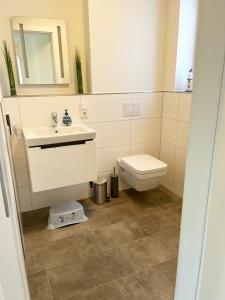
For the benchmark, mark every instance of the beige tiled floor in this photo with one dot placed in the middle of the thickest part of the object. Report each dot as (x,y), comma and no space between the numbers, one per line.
(126,250)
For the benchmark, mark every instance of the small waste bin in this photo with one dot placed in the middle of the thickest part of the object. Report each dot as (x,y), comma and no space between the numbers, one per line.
(100,191)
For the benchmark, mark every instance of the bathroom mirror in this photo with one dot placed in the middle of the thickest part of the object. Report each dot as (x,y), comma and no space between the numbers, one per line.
(41,51)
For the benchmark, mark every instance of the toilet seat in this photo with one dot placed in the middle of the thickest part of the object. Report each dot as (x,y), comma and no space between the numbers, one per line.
(143,164)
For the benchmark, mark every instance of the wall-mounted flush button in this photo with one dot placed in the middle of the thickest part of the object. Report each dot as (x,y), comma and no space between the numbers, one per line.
(127,109)
(131,109)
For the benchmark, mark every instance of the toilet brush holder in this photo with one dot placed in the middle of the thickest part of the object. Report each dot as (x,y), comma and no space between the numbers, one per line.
(114,180)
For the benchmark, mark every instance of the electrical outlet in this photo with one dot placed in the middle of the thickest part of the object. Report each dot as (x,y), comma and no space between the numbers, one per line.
(84,110)
(84,113)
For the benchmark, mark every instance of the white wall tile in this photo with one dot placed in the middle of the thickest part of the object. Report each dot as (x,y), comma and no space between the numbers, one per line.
(178,184)
(170,105)
(184,107)
(17,147)
(122,184)
(167,154)
(168,179)
(169,130)
(182,134)
(103,108)
(150,104)
(36,111)
(117,136)
(144,130)
(107,157)
(21,172)
(175,133)
(151,147)
(180,160)
(24,198)
(111,134)
(12,108)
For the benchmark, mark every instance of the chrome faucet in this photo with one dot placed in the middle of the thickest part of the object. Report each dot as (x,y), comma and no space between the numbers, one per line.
(54,119)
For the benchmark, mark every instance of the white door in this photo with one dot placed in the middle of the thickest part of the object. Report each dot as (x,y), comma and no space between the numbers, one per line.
(13,281)
(212,271)
(200,261)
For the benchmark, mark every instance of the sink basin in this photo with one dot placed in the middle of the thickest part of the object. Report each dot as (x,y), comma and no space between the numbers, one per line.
(38,136)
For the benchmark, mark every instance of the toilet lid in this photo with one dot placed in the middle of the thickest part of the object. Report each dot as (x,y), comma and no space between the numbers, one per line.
(143,164)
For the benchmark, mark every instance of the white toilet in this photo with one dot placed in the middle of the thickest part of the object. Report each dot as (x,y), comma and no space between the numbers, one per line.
(141,172)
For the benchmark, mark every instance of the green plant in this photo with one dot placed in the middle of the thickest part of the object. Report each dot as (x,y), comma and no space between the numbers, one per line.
(9,66)
(79,73)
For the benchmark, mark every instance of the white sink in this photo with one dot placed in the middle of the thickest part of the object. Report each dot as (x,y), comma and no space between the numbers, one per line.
(38,136)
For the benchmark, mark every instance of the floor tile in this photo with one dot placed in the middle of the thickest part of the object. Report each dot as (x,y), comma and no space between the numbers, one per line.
(131,288)
(148,200)
(35,218)
(39,287)
(122,212)
(167,219)
(66,250)
(152,250)
(109,291)
(172,207)
(126,250)
(34,237)
(124,232)
(151,284)
(60,233)
(73,279)
(98,222)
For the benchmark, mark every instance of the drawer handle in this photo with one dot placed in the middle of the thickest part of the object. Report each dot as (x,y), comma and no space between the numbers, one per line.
(56,145)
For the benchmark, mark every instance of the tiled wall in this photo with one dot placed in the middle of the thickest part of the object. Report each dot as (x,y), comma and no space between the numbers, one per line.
(174,138)
(117,136)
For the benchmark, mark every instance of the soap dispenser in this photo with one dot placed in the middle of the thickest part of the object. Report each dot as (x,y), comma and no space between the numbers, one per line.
(67,120)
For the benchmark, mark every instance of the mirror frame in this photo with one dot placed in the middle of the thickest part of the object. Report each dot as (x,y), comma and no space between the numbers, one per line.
(59,46)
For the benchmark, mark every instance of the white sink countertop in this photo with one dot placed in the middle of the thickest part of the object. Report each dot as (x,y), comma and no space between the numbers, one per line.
(37,136)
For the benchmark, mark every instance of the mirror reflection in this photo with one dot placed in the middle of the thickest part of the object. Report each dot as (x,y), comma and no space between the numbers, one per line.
(41,56)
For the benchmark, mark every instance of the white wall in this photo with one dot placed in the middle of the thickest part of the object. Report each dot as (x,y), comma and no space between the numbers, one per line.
(181,24)
(127,45)
(213,262)
(172,27)
(72,12)
(186,41)
(117,136)
(174,138)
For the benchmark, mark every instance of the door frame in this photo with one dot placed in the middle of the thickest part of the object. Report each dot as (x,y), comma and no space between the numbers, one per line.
(13,277)
(206,100)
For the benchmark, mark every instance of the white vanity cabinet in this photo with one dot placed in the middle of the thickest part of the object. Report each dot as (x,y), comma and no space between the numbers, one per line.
(64,162)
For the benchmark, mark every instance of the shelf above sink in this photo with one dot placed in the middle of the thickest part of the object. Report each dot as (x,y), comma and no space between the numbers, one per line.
(37,136)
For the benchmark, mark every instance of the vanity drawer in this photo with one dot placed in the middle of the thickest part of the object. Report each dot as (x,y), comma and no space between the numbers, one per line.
(60,166)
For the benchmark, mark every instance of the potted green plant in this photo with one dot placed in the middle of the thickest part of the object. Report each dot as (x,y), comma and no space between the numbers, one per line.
(9,66)
(79,73)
